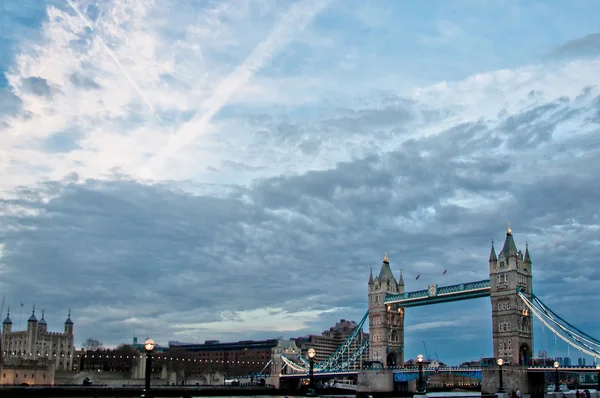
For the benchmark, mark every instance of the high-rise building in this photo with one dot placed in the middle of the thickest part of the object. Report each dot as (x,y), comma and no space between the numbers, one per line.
(330,340)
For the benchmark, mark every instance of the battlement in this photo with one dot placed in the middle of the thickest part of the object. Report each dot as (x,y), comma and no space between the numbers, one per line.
(20,333)
(53,334)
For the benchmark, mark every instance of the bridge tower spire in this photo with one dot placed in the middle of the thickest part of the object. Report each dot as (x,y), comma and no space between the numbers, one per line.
(386,322)
(512,332)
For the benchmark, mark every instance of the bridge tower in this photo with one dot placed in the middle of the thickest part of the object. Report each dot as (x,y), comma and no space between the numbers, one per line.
(386,322)
(512,332)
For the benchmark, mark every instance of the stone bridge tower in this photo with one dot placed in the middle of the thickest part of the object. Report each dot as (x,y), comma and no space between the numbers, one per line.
(512,332)
(386,323)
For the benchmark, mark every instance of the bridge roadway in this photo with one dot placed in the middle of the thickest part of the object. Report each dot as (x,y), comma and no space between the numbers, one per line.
(448,369)
(436,295)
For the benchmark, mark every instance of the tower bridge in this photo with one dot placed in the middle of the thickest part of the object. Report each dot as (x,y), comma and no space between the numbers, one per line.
(513,306)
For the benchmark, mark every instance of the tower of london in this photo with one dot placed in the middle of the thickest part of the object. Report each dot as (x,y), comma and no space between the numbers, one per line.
(37,343)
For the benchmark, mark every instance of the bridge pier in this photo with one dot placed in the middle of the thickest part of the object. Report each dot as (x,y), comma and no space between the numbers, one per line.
(513,378)
(374,381)
(380,382)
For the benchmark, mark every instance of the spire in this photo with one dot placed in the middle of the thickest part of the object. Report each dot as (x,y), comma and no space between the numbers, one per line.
(32,318)
(371,276)
(69,321)
(43,321)
(493,257)
(509,247)
(386,272)
(527,256)
(7,321)
(400,279)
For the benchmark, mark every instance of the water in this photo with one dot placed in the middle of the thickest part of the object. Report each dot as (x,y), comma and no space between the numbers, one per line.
(473,394)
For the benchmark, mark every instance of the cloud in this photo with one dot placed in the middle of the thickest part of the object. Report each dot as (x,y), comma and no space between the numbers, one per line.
(586,46)
(277,204)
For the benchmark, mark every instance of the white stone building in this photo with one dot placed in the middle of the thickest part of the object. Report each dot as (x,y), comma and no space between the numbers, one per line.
(38,343)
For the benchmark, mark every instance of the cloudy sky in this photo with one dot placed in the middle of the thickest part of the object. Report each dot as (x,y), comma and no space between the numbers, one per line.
(193,170)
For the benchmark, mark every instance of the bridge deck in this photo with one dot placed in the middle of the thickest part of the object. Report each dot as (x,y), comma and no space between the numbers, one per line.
(436,295)
(451,369)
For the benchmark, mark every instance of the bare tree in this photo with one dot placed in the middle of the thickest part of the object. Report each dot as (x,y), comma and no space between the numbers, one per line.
(92,344)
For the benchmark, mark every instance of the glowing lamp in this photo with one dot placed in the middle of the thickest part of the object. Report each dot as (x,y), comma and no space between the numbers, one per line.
(149,345)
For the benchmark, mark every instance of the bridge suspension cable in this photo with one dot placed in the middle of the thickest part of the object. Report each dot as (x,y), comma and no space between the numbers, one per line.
(547,320)
(553,316)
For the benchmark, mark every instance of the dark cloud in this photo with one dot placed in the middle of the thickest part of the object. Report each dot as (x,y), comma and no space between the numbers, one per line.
(154,258)
(83,81)
(586,46)
(38,86)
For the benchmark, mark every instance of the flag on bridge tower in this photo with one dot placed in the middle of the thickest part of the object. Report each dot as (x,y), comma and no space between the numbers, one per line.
(418,276)
(444,273)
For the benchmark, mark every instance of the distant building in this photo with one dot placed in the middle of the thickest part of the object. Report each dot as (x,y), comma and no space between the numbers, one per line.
(241,359)
(563,361)
(38,343)
(581,361)
(330,340)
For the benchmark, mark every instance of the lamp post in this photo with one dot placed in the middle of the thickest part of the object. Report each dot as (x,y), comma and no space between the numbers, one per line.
(556,387)
(420,389)
(500,363)
(149,347)
(311,360)
(598,369)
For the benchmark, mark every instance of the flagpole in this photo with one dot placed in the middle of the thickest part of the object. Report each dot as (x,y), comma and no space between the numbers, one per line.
(21,317)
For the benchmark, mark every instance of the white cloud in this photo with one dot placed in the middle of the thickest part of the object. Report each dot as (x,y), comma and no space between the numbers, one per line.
(258,320)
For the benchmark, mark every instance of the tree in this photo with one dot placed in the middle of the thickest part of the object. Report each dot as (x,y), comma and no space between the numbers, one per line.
(92,344)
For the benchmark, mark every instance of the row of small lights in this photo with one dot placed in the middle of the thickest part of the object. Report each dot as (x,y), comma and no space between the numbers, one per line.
(31,354)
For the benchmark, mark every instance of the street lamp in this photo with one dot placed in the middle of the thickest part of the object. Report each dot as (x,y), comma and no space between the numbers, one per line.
(556,366)
(149,347)
(311,360)
(500,362)
(598,369)
(420,389)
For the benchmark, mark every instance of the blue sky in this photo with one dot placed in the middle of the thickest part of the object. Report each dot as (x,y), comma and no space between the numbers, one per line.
(231,170)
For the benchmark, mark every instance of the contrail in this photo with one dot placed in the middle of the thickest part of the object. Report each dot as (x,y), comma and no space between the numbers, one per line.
(113,56)
(299,15)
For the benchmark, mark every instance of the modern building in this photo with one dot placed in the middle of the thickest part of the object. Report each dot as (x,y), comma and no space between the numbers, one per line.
(38,343)
(330,340)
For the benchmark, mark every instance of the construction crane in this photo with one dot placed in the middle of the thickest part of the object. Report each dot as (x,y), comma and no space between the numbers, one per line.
(426,354)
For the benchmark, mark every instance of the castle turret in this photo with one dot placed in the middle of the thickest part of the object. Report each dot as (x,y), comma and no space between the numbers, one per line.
(69,324)
(42,324)
(7,324)
(32,323)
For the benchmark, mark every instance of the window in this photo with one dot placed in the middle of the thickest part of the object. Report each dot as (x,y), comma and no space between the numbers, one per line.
(502,278)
